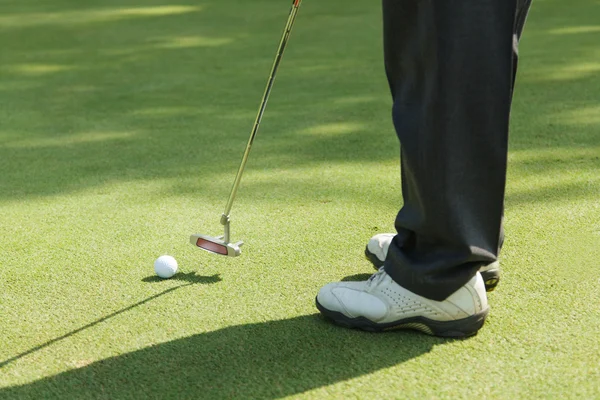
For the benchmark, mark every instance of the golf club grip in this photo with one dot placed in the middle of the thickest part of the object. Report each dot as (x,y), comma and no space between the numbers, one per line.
(280,50)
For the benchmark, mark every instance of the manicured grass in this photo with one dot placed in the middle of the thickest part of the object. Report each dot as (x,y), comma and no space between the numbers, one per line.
(122,126)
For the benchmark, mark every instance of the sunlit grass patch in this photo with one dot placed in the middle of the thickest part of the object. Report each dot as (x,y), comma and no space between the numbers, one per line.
(91,16)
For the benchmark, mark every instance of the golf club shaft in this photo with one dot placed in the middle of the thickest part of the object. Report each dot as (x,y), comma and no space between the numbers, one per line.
(286,34)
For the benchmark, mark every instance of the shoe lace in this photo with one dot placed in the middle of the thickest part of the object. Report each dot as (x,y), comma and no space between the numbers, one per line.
(376,277)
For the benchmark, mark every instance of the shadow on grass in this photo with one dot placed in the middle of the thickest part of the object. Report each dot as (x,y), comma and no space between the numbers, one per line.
(191,278)
(565,193)
(96,93)
(356,277)
(265,360)
(144,92)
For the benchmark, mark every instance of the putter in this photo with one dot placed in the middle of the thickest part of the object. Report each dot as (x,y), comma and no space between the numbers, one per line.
(221,244)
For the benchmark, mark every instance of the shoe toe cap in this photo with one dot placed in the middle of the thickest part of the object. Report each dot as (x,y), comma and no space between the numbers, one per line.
(328,299)
(351,301)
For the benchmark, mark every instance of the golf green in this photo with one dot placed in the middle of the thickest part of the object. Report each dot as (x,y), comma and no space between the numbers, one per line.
(122,124)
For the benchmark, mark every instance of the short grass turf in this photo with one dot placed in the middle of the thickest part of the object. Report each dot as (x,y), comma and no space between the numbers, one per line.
(121,127)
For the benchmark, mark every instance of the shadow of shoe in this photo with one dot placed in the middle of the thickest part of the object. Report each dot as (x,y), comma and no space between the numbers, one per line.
(356,278)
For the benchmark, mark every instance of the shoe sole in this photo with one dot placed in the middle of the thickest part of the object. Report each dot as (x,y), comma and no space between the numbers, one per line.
(460,328)
(489,273)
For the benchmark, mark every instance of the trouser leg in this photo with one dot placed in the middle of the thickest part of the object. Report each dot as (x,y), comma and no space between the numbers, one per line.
(450,65)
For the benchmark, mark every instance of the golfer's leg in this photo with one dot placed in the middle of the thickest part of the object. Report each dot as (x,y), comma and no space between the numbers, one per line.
(450,69)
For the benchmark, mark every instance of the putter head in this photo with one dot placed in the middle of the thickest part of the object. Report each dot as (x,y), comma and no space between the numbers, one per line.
(216,245)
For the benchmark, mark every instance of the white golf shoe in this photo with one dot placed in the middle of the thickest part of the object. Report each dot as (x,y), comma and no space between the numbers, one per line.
(380,304)
(378,246)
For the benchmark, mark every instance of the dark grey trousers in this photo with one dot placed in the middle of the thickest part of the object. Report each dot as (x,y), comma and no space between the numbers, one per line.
(451,66)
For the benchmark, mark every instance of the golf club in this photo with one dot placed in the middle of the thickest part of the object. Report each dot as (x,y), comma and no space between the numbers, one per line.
(221,244)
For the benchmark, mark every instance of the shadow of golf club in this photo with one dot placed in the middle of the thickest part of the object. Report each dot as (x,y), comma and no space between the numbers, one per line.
(191,278)
(264,360)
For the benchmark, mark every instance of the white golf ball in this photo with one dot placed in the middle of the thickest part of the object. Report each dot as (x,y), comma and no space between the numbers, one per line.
(165,266)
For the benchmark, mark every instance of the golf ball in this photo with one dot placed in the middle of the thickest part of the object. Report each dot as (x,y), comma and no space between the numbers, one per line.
(165,266)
